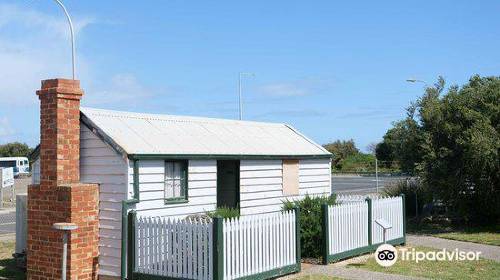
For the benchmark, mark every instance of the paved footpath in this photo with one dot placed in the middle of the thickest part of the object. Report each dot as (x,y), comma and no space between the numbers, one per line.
(351,273)
(487,251)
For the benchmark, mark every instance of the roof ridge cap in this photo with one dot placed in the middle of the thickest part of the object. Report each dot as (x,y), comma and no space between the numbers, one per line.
(176,118)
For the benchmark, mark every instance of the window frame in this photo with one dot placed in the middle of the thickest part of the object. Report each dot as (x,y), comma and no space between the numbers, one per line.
(184,182)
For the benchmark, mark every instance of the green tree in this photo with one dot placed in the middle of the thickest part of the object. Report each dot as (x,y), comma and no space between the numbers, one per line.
(15,149)
(358,163)
(452,142)
(401,144)
(341,150)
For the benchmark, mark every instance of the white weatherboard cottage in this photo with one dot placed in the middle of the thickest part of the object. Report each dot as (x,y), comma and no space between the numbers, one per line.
(178,166)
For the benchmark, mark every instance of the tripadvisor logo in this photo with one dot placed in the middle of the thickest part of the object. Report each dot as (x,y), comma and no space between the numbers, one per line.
(386,255)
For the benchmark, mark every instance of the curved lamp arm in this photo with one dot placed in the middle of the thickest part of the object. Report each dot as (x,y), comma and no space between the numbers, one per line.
(414,80)
(72,36)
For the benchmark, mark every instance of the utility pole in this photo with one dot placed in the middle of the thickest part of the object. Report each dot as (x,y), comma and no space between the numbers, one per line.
(239,90)
(376,173)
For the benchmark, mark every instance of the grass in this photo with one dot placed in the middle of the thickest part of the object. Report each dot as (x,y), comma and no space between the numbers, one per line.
(8,268)
(484,235)
(446,270)
(316,277)
(477,236)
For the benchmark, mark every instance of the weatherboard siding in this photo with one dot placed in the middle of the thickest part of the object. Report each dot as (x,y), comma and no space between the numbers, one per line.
(35,172)
(315,177)
(202,191)
(261,184)
(101,165)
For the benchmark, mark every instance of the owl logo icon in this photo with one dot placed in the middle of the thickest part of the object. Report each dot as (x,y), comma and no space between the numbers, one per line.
(386,255)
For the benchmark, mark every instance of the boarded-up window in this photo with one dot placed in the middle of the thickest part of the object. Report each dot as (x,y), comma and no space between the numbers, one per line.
(290,177)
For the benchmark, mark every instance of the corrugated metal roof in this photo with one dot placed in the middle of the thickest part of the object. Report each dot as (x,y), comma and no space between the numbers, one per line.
(140,134)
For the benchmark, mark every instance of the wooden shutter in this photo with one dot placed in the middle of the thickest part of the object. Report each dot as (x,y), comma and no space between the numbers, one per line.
(290,177)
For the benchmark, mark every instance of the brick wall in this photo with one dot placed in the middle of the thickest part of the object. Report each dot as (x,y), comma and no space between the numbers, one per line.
(60,197)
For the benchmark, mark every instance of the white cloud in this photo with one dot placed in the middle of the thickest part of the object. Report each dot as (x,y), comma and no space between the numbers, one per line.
(33,46)
(34,21)
(297,88)
(123,88)
(293,114)
(284,89)
(36,45)
(5,127)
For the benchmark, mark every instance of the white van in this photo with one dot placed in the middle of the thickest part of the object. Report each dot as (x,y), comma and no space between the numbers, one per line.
(20,165)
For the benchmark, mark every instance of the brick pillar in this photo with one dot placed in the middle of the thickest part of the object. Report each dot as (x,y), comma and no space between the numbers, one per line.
(60,197)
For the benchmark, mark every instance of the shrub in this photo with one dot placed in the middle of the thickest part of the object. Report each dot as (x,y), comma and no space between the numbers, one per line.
(410,189)
(224,212)
(358,163)
(310,223)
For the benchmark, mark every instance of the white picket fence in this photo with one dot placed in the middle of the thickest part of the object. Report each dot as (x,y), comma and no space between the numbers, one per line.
(391,210)
(263,245)
(258,243)
(174,248)
(352,198)
(348,227)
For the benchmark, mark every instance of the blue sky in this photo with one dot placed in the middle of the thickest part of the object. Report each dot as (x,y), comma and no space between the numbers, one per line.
(332,69)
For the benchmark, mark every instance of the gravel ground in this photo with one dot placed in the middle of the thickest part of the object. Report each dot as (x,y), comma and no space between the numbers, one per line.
(487,251)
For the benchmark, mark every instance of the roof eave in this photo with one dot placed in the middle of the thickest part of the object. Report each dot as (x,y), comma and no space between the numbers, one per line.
(103,136)
(222,157)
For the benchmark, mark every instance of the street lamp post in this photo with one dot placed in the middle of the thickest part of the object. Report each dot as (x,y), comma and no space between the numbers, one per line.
(376,173)
(239,90)
(411,80)
(72,36)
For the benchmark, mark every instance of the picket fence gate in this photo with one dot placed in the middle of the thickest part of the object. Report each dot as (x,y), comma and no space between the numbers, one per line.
(352,198)
(249,247)
(349,229)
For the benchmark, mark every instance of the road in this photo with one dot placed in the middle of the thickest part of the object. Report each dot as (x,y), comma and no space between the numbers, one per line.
(360,185)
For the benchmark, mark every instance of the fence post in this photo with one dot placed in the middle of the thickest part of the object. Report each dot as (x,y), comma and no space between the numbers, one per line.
(297,237)
(132,215)
(325,248)
(403,198)
(218,248)
(369,201)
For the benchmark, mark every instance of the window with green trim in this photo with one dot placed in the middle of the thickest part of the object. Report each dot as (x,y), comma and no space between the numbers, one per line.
(175,180)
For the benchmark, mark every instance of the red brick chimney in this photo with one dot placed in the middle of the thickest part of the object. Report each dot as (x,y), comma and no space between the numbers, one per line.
(60,197)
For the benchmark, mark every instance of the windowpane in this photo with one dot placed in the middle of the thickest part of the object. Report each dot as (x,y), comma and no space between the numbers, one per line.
(177,170)
(177,188)
(169,189)
(169,172)
(175,185)
(11,163)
